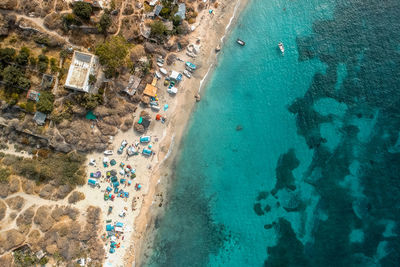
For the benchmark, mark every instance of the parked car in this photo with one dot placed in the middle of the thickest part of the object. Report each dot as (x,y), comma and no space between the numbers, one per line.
(145,139)
(123,145)
(95,174)
(108,152)
(190,65)
(187,74)
(172,90)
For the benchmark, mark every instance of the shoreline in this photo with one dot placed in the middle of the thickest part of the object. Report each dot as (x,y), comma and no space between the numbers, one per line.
(161,175)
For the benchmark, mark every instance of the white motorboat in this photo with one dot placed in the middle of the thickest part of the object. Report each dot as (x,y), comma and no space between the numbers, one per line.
(281,47)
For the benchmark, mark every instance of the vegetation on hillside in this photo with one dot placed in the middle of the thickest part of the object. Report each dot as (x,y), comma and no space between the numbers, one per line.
(82,10)
(57,167)
(112,54)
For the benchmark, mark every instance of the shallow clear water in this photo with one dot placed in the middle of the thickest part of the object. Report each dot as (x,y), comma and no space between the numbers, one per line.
(293,160)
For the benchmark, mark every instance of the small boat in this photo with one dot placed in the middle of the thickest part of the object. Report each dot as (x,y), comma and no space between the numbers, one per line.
(281,47)
(241,42)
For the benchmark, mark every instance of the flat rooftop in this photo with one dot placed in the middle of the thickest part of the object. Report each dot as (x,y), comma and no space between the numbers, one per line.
(79,71)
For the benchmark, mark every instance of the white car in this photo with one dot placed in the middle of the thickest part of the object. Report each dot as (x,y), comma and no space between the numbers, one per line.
(187,74)
(108,152)
(173,90)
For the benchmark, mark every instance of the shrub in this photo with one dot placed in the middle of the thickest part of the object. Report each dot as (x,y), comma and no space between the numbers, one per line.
(30,107)
(82,10)
(53,65)
(43,63)
(4,175)
(45,103)
(23,56)
(158,29)
(33,61)
(105,22)
(176,20)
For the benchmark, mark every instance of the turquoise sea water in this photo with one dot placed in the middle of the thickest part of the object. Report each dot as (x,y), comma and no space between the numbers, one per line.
(293,160)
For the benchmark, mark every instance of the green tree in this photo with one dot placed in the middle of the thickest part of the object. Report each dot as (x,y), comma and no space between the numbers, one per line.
(30,106)
(92,79)
(43,63)
(23,56)
(7,56)
(176,20)
(105,22)
(33,61)
(53,65)
(158,29)
(45,103)
(15,80)
(82,10)
(112,54)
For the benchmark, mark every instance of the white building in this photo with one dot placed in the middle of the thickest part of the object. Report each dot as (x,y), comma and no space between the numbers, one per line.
(82,66)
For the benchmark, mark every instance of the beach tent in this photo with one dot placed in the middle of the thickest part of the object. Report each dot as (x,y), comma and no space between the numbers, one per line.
(133,170)
(116,190)
(116,184)
(112,250)
(119,229)
(109,189)
(90,115)
(122,181)
(109,227)
(114,179)
(119,224)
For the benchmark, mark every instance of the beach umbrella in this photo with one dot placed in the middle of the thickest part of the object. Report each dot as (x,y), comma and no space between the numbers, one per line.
(113,172)
(105,160)
(129,167)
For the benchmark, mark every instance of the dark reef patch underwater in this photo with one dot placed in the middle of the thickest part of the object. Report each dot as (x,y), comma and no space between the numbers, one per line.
(365,36)
(312,175)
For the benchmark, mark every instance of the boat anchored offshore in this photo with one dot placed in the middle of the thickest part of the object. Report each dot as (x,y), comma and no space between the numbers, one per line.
(241,42)
(281,47)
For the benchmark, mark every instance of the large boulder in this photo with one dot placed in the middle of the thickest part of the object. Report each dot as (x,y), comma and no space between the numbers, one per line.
(138,128)
(171,59)
(106,129)
(10,239)
(42,218)
(26,217)
(15,203)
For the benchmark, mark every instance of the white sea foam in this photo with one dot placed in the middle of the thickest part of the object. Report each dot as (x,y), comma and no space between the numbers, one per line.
(222,41)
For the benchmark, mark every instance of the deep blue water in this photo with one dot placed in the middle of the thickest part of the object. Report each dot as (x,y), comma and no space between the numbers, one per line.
(293,160)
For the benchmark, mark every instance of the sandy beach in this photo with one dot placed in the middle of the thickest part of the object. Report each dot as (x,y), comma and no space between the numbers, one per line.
(210,32)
